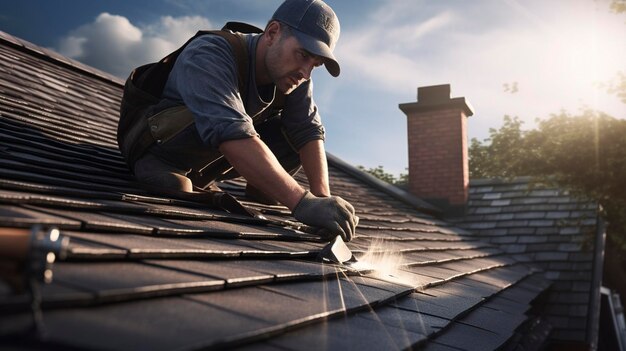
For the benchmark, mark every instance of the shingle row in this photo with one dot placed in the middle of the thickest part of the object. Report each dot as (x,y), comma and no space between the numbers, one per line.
(543,226)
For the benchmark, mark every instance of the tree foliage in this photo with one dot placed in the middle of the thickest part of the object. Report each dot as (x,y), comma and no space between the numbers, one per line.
(585,153)
(498,156)
(617,86)
(618,6)
(380,173)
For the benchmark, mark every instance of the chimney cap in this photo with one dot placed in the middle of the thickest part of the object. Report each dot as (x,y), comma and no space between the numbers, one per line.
(434,93)
(437,97)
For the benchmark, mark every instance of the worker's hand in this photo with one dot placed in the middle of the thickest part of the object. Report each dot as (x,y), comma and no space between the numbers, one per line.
(332,213)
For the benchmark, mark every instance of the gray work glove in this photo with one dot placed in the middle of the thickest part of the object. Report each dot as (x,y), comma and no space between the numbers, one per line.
(331,213)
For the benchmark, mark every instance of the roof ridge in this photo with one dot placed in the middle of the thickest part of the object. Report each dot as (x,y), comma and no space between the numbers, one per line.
(56,58)
(396,192)
(501,180)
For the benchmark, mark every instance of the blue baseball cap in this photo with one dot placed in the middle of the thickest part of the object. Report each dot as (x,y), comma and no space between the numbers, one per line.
(316,27)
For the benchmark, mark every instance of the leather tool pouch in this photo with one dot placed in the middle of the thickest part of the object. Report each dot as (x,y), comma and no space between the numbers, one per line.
(168,123)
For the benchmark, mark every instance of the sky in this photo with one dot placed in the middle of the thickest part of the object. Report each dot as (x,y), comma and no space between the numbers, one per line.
(524,58)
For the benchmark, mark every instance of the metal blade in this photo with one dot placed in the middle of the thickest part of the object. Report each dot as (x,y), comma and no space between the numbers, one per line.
(336,252)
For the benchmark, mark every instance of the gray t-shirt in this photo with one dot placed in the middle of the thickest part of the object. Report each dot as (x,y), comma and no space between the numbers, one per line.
(204,78)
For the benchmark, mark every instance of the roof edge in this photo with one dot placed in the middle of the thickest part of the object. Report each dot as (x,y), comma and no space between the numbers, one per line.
(385,187)
(593,315)
(56,58)
(497,181)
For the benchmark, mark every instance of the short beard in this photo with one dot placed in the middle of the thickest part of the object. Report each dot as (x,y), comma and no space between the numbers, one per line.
(273,55)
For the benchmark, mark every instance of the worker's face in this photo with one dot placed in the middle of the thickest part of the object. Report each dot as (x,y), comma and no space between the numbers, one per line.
(288,63)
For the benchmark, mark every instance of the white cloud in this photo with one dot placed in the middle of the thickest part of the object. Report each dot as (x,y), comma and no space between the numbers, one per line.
(555,59)
(112,43)
(389,56)
(556,65)
(177,30)
(72,46)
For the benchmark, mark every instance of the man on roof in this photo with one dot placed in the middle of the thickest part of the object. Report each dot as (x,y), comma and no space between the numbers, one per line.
(210,123)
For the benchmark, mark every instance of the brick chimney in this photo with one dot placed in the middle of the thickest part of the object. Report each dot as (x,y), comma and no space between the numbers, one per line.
(437,138)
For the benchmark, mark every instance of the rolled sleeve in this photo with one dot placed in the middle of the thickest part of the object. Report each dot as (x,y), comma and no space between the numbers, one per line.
(204,78)
(217,133)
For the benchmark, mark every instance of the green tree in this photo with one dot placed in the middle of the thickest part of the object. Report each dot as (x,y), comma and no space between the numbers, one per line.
(499,155)
(380,173)
(403,179)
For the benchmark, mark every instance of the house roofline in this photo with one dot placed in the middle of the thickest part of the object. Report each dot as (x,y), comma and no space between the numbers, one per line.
(392,190)
(56,58)
(593,315)
(496,181)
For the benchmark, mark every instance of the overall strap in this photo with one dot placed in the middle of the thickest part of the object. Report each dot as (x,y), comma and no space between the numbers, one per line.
(240,51)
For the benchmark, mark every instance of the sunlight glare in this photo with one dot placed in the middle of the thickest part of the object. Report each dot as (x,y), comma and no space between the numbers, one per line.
(384,263)
(572,55)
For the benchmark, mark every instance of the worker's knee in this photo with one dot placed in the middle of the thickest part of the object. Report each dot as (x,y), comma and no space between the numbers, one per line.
(152,171)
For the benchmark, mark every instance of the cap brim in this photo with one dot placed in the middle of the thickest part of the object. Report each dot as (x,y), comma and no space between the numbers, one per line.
(318,48)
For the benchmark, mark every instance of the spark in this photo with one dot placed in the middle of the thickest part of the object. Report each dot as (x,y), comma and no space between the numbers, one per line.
(384,263)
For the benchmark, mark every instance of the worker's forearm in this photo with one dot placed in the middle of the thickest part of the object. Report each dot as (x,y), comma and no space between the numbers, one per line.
(255,162)
(313,159)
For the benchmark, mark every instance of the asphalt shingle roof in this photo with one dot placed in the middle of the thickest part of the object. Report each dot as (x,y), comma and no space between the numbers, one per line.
(152,272)
(549,228)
